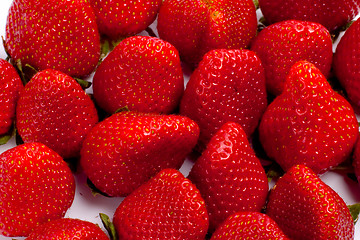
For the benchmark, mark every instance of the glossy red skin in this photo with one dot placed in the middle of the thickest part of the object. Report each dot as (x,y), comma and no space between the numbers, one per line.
(196,27)
(168,206)
(228,85)
(282,44)
(117,18)
(249,225)
(60,35)
(53,109)
(305,207)
(127,149)
(10,88)
(36,186)
(68,229)
(308,123)
(331,13)
(142,73)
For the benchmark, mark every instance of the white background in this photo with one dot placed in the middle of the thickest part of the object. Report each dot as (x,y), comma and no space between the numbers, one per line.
(87,207)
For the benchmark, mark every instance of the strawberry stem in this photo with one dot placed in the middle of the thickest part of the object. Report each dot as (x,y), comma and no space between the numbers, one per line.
(109,226)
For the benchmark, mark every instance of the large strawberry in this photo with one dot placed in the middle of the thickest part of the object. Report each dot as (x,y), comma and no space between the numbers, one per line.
(308,123)
(57,34)
(330,13)
(229,175)
(142,73)
(127,149)
(195,27)
(10,87)
(168,206)
(36,186)
(228,85)
(305,208)
(53,109)
(282,44)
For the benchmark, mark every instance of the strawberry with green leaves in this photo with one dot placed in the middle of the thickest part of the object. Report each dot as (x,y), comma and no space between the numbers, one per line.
(309,123)
(36,186)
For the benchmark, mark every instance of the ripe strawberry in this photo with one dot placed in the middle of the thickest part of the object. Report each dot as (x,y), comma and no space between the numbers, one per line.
(36,186)
(308,123)
(228,85)
(68,229)
(305,207)
(196,27)
(282,44)
(59,34)
(330,13)
(249,225)
(10,87)
(168,206)
(53,109)
(142,73)
(118,18)
(127,149)
(229,175)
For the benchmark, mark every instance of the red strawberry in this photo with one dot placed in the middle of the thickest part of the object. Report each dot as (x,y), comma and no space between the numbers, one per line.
(228,85)
(68,229)
(142,73)
(59,34)
(127,149)
(53,109)
(330,13)
(36,186)
(10,87)
(229,175)
(168,206)
(305,207)
(249,225)
(196,27)
(118,18)
(308,123)
(282,44)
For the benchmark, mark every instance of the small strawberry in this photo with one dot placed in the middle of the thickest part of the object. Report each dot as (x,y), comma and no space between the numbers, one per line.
(142,73)
(229,175)
(195,27)
(168,206)
(331,13)
(228,85)
(249,225)
(282,44)
(36,186)
(305,207)
(53,109)
(56,34)
(127,149)
(68,229)
(119,18)
(309,123)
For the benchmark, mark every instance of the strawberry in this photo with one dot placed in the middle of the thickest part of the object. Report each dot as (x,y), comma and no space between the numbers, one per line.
(309,123)
(305,207)
(331,13)
(249,225)
(228,85)
(127,149)
(116,18)
(196,27)
(36,186)
(168,206)
(53,109)
(142,73)
(229,175)
(60,35)
(68,229)
(282,44)
(10,87)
